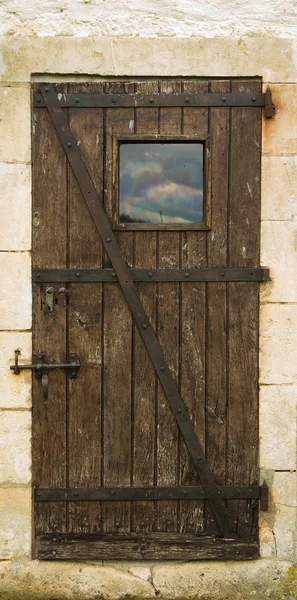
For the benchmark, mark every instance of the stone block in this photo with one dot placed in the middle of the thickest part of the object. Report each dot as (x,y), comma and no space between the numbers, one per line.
(15,128)
(278,408)
(15,447)
(280,133)
(279,184)
(283,496)
(279,253)
(15,390)
(15,532)
(278,348)
(118,53)
(15,206)
(16,295)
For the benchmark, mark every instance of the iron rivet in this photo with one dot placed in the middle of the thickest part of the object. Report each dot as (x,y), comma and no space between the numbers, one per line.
(187,99)
(202,492)
(198,458)
(150,274)
(149,493)
(76,493)
(108,239)
(76,100)
(112,492)
(46,89)
(114,100)
(38,493)
(224,99)
(251,273)
(144,326)
(238,492)
(69,144)
(77,274)
(54,553)
(185,493)
(222,274)
(38,275)
(151,100)
(38,99)
(54,539)
(113,274)
(117,524)
(254,98)
(162,368)
(179,410)
(187,274)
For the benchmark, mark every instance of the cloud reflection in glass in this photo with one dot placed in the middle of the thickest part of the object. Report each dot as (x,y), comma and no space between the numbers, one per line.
(161,183)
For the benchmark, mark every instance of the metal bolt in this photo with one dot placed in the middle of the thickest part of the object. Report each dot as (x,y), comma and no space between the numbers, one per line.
(108,239)
(187,99)
(113,275)
(114,100)
(185,493)
(254,98)
(224,99)
(151,100)
(54,539)
(179,410)
(187,275)
(76,493)
(38,99)
(54,553)
(251,273)
(112,492)
(46,89)
(69,144)
(150,274)
(117,524)
(144,326)
(38,275)
(199,458)
(77,274)
(162,368)
(222,274)
(76,100)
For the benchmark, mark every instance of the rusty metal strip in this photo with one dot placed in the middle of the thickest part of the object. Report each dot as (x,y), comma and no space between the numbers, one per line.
(143,493)
(145,275)
(143,100)
(141,319)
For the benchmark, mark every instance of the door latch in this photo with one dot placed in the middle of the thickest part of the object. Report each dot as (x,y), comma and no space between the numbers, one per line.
(41,368)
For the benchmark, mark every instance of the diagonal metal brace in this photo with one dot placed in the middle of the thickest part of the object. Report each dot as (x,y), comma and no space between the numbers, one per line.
(146,331)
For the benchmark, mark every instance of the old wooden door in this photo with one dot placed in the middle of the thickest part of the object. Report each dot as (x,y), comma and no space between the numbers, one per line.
(115,470)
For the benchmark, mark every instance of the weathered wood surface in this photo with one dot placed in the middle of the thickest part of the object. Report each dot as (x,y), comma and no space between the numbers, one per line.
(144,546)
(113,425)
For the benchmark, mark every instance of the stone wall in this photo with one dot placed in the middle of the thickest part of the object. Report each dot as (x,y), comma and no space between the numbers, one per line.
(86,39)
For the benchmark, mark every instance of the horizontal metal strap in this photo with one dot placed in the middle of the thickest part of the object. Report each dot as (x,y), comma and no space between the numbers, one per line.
(145,100)
(143,493)
(143,275)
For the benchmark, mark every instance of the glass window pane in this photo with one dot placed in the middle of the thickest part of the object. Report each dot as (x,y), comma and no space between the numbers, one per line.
(161,183)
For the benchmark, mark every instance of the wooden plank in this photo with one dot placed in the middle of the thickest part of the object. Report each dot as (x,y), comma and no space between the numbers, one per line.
(192,332)
(144,425)
(49,328)
(117,329)
(216,339)
(244,306)
(85,322)
(144,546)
(168,336)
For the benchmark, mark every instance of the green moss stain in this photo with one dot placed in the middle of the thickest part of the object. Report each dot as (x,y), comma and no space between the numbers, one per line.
(287,587)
